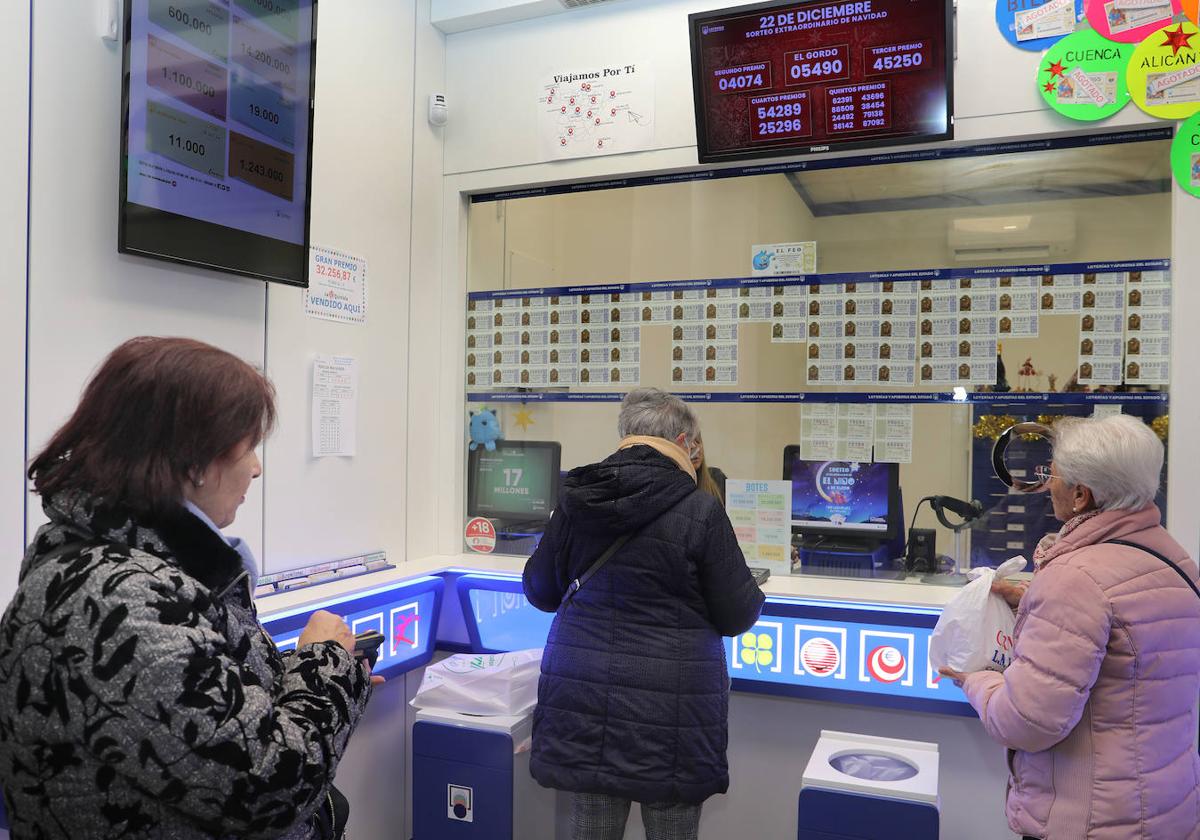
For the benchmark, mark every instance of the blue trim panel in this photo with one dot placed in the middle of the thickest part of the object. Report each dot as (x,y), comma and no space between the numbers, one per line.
(896,276)
(899,397)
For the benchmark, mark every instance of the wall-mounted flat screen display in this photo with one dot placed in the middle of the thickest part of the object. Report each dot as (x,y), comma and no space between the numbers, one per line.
(821,75)
(217,135)
(843,497)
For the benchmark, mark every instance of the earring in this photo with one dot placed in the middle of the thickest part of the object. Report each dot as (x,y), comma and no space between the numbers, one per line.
(199,482)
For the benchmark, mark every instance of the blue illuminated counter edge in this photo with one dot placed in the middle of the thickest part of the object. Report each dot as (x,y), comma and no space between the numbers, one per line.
(855,652)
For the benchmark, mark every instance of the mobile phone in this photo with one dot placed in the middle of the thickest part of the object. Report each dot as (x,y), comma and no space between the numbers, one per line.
(366,646)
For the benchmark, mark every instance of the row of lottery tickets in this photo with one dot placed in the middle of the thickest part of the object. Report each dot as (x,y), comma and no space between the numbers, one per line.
(900,334)
(858,433)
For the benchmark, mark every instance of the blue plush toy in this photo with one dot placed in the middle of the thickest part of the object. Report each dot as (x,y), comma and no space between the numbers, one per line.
(485,430)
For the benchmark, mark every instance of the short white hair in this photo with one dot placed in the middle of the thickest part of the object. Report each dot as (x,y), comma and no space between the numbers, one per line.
(655,413)
(1119,458)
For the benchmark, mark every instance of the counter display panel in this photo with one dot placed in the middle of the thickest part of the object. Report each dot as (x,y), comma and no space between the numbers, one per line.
(813,75)
(868,654)
(406,614)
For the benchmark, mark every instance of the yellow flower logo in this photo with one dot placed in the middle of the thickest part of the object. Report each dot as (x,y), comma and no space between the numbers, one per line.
(758,650)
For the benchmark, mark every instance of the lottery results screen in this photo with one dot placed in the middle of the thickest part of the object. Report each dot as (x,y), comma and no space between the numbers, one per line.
(217,135)
(817,76)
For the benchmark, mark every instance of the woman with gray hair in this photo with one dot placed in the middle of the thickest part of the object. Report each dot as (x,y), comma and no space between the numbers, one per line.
(645,575)
(1098,708)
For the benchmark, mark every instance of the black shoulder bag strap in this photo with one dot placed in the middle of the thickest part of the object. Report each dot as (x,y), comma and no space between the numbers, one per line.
(1170,563)
(595,567)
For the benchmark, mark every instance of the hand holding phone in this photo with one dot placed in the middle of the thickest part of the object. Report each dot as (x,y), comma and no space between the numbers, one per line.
(366,646)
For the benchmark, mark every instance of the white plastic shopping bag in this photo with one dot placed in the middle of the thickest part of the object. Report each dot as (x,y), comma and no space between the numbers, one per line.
(482,683)
(975,630)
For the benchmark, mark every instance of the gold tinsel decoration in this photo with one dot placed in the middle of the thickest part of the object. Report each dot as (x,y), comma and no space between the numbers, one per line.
(1161,425)
(991,426)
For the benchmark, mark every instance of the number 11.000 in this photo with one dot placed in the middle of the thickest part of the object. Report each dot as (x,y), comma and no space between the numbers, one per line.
(185,144)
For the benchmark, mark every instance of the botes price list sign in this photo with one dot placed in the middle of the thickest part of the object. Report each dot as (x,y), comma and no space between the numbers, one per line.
(815,76)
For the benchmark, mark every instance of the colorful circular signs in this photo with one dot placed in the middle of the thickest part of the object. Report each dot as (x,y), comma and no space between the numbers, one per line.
(1083,76)
(1185,155)
(1129,21)
(1036,24)
(1164,73)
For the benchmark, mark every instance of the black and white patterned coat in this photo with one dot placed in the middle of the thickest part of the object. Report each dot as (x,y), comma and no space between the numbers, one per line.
(141,698)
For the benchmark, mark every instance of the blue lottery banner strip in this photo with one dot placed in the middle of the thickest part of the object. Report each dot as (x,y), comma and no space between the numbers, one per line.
(900,276)
(817,164)
(898,397)
(405,613)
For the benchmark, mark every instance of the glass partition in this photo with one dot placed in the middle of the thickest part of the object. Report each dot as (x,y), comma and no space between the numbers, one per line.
(892,311)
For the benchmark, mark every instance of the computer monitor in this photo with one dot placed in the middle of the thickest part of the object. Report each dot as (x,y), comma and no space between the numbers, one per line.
(857,500)
(516,484)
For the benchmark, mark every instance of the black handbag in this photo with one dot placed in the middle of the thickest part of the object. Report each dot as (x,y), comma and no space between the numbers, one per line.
(592,569)
(329,820)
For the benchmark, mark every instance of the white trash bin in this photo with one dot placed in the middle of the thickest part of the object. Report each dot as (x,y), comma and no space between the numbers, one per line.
(869,788)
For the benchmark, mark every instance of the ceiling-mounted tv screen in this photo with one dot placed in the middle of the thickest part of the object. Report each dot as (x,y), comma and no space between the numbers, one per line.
(799,77)
(216,147)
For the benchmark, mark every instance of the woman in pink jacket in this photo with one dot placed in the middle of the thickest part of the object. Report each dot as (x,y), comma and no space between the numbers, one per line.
(1098,708)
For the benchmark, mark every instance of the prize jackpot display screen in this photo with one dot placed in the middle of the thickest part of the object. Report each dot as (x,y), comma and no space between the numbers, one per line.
(820,75)
(841,496)
(514,482)
(217,134)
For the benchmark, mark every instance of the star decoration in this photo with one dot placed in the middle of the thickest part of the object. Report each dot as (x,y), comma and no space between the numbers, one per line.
(1056,69)
(1177,39)
(524,418)
(1048,87)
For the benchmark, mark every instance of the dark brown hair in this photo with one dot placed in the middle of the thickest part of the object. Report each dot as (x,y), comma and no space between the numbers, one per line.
(156,413)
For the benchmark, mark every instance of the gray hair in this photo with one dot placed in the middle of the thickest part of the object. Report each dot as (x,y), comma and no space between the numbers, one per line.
(655,413)
(1119,458)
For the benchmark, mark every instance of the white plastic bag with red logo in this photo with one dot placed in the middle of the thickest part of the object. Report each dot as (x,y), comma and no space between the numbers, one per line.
(975,630)
(482,683)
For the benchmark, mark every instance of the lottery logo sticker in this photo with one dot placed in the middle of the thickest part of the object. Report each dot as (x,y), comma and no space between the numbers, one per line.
(1037,24)
(480,535)
(1164,76)
(885,657)
(819,657)
(1185,155)
(1083,76)
(1130,21)
(886,664)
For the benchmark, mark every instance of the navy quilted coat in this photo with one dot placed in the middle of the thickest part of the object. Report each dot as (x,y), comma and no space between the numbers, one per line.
(634,694)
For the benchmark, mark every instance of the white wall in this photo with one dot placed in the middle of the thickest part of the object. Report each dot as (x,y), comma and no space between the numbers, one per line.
(317,509)
(14,150)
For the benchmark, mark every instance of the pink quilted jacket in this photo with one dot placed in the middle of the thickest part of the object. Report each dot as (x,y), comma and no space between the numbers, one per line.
(1098,708)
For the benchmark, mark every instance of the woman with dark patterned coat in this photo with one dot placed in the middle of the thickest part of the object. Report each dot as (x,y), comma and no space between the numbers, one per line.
(139,695)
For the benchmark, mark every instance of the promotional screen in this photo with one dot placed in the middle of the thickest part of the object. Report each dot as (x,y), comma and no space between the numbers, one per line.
(217,133)
(514,482)
(814,76)
(840,494)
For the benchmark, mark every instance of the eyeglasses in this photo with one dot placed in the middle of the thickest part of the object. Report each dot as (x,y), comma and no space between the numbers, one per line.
(1043,473)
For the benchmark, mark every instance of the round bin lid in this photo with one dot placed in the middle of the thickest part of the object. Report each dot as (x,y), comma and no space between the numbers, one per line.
(873,766)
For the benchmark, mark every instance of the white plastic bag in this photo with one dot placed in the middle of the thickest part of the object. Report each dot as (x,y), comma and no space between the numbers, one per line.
(975,630)
(482,683)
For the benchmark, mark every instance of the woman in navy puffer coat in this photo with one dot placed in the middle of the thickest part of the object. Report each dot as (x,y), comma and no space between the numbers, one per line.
(634,693)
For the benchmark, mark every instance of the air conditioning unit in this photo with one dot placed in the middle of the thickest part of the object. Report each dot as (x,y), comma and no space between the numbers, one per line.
(1031,237)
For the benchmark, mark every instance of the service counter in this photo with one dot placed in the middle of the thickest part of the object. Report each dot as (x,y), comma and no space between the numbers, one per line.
(827,653)
(852,641)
